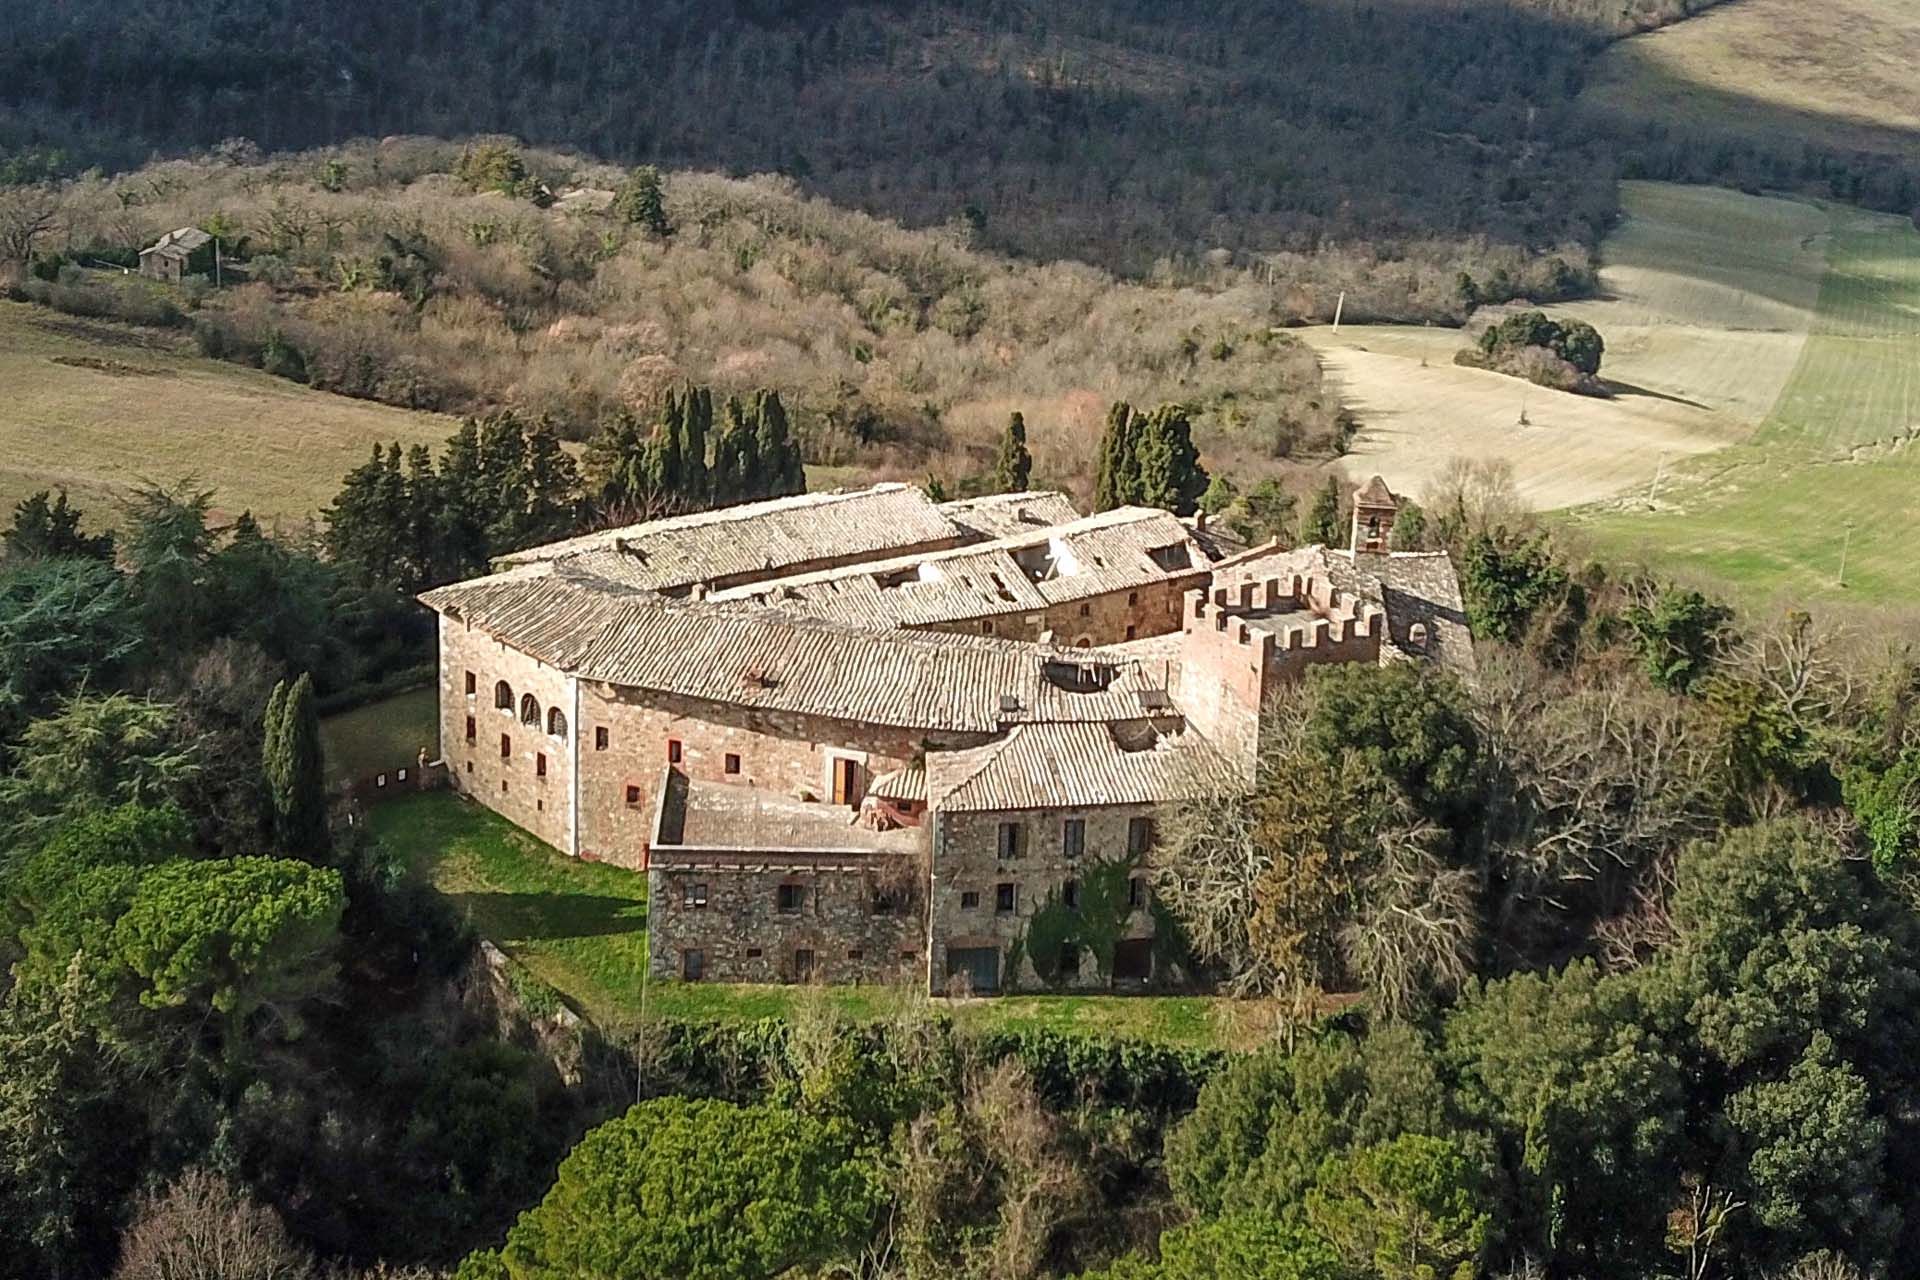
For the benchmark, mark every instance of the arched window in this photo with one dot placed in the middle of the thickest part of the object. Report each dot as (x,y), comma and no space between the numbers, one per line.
(503,696)
(529,711)
(556,723)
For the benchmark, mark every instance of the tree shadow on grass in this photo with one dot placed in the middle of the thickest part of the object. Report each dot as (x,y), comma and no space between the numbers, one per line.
(532,917)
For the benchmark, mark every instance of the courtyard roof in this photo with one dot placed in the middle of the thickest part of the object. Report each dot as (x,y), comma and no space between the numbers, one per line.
(1056,766)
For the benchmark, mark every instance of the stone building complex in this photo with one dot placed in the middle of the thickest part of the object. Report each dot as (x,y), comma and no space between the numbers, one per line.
(855,735)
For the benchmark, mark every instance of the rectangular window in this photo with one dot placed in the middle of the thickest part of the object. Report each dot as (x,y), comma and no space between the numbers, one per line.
(856,954)
(1069,961)
(803,965)
(633,796)
(1139,835)
(986,627)
(673,751)
(469,766)
(1005,898)
(790,897)
(753,953)
(1073,837)
(540,764)
(970,900)
(1136,893)
(600,738)
(1085,610)
(1013,839)
(1133,597)
(1070,895)
(1132,631)
(693,896)
(473,684)
(506,746)
(732,763)
(693,964)
(473,730)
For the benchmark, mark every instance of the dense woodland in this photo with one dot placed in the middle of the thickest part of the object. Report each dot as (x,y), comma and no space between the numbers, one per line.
(1381,147)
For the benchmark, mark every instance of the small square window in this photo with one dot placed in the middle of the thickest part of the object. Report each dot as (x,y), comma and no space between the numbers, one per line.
(790,897)
(473,684)
(600,738)
(1133,597)
(506,746)
(469,766)
(693,964)
(473,730)
(753,953)
(1073,837)
(540,764)
(1005,898)
(909,955)
(673,751)
(1013,839)
(970,900)
(732,763)
(633,795)
(1132,631)
(1139,835)
(693,896)
(856,954)
(1086,610)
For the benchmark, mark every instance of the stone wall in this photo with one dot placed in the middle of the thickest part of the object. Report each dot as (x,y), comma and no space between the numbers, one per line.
(1154,609)
(532,783)
(729,910)
(967,861)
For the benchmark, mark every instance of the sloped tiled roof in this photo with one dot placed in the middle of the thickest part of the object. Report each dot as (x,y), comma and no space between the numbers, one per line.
(179,242)
(759,657)
(1374,493)
(1047,766)
(1114,551)
(1002,515)
(752,538)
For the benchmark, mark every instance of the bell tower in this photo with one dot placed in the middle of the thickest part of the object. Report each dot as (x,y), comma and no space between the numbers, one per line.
(1374,508)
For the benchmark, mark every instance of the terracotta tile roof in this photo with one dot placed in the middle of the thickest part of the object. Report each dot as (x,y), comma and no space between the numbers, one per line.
(179,243)
(1113,551)
(1049,766)
(698,815)
(764,658)
(902,785)
(758,538)
(1000,515)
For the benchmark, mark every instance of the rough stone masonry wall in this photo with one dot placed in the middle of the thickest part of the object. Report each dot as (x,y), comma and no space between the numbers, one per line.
(779,751)
(966,859)
(511,784)
(745,937)
(1153,609)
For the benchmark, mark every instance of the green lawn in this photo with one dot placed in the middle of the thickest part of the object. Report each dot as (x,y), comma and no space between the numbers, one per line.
(381,736)
(580,927)
(1833,471)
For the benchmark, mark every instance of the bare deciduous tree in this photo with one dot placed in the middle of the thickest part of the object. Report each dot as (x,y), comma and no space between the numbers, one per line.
(205,1228)
(26,214)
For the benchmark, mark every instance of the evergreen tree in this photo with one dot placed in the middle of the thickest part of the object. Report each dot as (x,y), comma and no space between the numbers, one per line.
(730,455)
(641,202)
(1169,474)
(616,462)
(780,471)
(664,470)
(461,533)
(1014,467)
(272,752)
(1322,522)
(1116,470)
(45,527)
(552,488)
(695,481)
(422,515)
(295,769)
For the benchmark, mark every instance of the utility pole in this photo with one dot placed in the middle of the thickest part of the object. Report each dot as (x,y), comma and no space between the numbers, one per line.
(1339,308)
(1653,488)
(1846,545)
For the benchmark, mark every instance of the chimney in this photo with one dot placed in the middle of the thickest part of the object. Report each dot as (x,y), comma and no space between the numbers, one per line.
(1199,521)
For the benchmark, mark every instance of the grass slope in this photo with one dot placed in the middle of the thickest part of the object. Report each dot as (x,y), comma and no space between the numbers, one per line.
(98,407)
(580,927)
(1834,468)
(1838,74)
(381,736)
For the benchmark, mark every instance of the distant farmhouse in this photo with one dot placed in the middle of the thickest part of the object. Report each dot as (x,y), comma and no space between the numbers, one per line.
(855,735)
(178,254)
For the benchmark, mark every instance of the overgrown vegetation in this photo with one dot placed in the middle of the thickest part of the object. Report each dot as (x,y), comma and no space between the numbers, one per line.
(1562,354)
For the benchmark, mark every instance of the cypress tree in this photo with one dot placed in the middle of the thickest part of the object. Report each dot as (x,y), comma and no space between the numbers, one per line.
(668,450)
(1117,473)
(779,470)
(695,482)
(552,484)
(725,479)
(1014,467)
(302,801)
(1322,522)
(1170,474)
(272,756)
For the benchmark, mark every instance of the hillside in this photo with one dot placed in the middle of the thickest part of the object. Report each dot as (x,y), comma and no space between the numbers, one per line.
(377,274)
(1382,146)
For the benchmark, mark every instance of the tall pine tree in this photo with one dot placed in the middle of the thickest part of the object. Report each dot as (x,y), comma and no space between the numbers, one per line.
(1013,469)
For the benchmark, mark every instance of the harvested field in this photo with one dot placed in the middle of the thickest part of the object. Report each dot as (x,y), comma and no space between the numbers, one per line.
(98,407)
